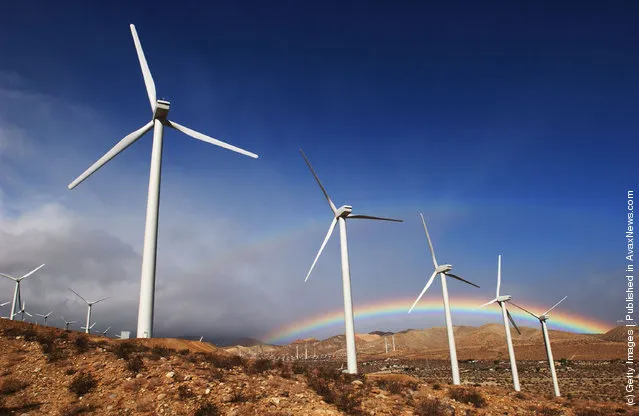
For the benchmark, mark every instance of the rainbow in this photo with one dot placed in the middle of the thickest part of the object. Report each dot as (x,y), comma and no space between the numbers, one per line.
(561,320)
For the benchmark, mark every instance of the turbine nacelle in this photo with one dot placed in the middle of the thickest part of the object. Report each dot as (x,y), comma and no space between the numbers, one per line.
(504,298)
(544,318)
(343,211)
(443,268)
(161,110)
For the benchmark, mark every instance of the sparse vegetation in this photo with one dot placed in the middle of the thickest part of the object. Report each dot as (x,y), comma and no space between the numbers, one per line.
(467,395)
(429,407)
(546,411)
(82,384)
(184,392)
(12,385)
(81,343)
(77,409)
(134,364)
(260,365)
(207,409)
(586,411)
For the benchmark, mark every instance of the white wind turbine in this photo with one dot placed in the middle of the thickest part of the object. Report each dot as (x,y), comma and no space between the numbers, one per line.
(90,305)
(67,323)
(45,317)
(23,312)
(105,331)
(88,328)
(544,329)
(5,304)
(159,120)
(444,271)
(501,301)
(17,298)
(339,216)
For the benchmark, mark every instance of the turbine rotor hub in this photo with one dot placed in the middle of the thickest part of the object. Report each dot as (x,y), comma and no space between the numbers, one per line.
(161,109)
(504,298)
(544,317)
(443,268)
(343,211)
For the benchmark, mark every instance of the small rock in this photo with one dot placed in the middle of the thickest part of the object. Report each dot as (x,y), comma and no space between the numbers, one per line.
(357,382)
(37,370)
(112,396)
(187,378)
(207,391)
(138,375)
(161,396)
(109,407)
(170,374)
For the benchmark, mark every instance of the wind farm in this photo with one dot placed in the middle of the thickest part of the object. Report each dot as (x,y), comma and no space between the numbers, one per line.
(482,130)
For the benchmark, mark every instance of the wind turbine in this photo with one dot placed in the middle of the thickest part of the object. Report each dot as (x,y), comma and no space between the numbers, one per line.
(501,301)
(201,338)
(67,323)
(16,293)
(386,344)
(22,311)
(159,120)
(105,331)
(45,317)
(88,328)
(339,216)
(90,305)
(444,271)
(544,329)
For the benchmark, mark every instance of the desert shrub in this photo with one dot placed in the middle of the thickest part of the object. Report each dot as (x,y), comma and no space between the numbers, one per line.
(207,409)
(81,343)
(12,385)
(429,407)
(162,351)
(348,401)
(237,361)
(239,397)
(123,349)
(184,392)
(50,350)
(82,384)
(335,390)
(391,386)
(585,411)
(77,409)
(286,371)
(321,387)
(29,334)
(467,395)
(521,396)
(184,352)
(217,374)
(134,364)
(70,371)
(437,386)
(547,411)
(299,368)
(261,365)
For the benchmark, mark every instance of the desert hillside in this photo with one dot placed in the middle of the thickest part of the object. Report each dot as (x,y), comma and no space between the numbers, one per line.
(48,371)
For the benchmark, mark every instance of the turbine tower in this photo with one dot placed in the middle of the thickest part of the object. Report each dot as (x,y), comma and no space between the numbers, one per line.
(159,120)
(386,344)
(393,342)
(444,271)
(501,301)
(339,216)
(90,305)
(17,298)
(45,317)
(67,323)
(544,329)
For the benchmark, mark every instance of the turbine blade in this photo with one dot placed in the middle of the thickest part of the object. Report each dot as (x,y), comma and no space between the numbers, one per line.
(328,235)
(208,139)
(28,314)
(454,276)
(430,282)
(430,244)
(498,274)
(368,217)
(523,309)
(101,300)
(486,304)
(65,321)
(78,295)
(555,305)
(5,304)
(115,150)
(146,72)
(8,277)
(328,198)
(512,321)
(32,271)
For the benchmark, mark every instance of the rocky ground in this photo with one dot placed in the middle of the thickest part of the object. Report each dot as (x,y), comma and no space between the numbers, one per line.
(48,371)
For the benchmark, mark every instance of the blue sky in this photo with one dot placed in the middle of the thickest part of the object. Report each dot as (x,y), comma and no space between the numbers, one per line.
(511,126)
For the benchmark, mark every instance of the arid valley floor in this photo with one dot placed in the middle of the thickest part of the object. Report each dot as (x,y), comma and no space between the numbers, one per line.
(48,371)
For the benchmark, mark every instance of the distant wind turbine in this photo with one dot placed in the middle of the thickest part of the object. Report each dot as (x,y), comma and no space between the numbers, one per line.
(45,317)
(105,331)
(544,329)
(501,301)
(23,312)
(160,111)
(88,328)
(444,271)
(67,323)
(90,305)
(339,216)
(17,298)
